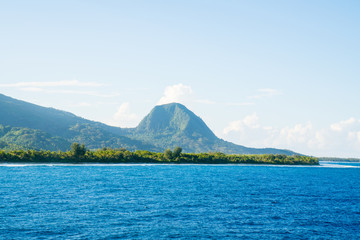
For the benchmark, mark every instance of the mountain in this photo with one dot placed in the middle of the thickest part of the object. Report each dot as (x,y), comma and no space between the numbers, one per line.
(60,128)
(171,125)
(25,125)
(174,119)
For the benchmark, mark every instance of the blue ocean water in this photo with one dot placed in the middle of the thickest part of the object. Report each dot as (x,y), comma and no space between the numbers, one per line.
(179,202)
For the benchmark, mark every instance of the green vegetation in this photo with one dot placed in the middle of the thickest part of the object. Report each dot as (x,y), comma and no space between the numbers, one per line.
(171,125)
(333,159)
(177,152)
(168,154)
(77,150)
(79,154)
(27,126)
(18,138)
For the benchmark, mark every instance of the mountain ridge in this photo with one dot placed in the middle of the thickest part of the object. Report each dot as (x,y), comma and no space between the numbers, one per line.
(166,126)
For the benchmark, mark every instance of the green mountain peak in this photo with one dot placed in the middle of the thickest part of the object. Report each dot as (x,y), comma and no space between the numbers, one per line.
(174,119)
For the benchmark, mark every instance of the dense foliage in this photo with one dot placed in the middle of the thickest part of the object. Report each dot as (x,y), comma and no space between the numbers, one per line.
(19,138)
(79,154)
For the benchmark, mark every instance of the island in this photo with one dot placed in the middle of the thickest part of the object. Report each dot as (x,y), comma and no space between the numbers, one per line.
(79,154)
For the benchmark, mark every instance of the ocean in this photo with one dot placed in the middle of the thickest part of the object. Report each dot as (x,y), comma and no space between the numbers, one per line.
(157,201)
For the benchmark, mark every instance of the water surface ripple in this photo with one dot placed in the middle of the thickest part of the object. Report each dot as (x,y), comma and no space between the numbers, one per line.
(179,202)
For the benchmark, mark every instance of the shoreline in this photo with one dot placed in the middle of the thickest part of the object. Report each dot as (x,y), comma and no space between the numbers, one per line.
(123,156)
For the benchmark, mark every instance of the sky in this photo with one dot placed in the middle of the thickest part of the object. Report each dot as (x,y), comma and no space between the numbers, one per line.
(271,73)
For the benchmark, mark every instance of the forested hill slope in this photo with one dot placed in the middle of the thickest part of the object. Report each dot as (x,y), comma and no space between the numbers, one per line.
(59,127)
(174,119)
(172,125)
(16,138)
(17,113)
(29,126)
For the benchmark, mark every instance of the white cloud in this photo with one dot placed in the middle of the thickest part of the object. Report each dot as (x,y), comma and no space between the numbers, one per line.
(65,83)
(177,93)
(72,92)
(82,104)
(89,93)
(339,139)
(250,121)
(300,133)
(266,92)
(124,117)
(205,101)
(181,93)
(32,89)
(269,91)
(73,87)
(343,124)
(235,126)
(240,104)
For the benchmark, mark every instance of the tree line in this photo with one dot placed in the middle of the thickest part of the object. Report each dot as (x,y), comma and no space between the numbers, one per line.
(80,154)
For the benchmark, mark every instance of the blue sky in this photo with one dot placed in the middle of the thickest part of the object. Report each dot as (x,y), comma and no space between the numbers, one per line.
(279,74)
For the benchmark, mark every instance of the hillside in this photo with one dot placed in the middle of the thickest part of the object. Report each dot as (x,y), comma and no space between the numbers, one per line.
(29,126)
(13,138)
(171,125)
(54,125)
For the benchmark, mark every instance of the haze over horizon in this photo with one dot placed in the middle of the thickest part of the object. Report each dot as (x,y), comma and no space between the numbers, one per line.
(260,74)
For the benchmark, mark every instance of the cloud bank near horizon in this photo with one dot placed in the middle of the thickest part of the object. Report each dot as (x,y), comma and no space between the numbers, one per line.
(335,139)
